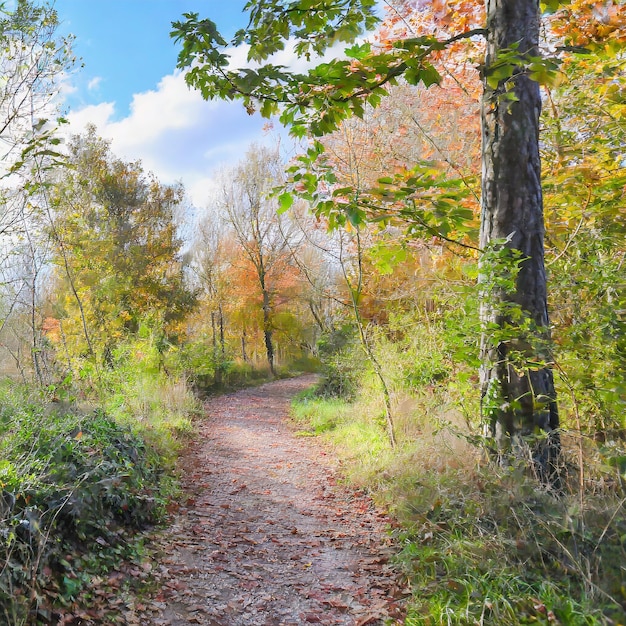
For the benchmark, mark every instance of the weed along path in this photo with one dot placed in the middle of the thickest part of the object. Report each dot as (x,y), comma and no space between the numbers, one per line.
(264,535)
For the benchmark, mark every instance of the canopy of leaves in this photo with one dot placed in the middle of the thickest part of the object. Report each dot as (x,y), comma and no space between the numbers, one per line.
(315,101)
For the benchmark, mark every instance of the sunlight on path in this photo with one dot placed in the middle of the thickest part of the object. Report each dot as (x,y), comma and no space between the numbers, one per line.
(265,536)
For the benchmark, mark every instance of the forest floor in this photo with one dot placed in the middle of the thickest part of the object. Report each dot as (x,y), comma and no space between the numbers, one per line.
(264,534)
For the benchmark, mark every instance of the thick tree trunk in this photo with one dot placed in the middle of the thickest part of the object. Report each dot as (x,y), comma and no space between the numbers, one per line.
(519,401)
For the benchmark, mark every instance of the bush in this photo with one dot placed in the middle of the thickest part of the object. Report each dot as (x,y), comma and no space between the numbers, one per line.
(342,364)
(143,390)
(74,488)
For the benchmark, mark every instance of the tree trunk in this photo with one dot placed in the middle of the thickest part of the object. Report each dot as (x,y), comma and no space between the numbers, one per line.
(35,338)
(317,317)
(217,361)
(244,353)
(267,328)
(222,341)
(213,333)
(518,397)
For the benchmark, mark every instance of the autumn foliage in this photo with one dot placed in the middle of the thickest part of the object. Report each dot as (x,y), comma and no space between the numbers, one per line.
(361,261)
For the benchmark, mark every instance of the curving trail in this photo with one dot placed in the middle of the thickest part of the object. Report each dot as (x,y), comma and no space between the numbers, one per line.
(265,535)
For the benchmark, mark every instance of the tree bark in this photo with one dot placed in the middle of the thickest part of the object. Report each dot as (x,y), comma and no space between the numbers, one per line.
(267,324)
(519,400)
(222,341)
(244,354)
(213,332)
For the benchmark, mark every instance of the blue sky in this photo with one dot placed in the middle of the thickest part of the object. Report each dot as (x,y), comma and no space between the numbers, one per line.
(129,88)
(125,44)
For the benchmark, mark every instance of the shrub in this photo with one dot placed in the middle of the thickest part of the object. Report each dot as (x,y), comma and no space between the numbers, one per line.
(342,364)
(74,488)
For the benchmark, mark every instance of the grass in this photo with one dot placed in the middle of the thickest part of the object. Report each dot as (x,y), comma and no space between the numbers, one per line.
(160,407)
(353,427)
(480,544)
(491,547)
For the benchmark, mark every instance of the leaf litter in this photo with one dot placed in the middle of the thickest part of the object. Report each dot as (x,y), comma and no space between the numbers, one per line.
(265,535)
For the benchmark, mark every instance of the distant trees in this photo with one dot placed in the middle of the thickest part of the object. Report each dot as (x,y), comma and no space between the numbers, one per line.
(269,283)
(252,212)
(519,399)
(117,250)
(266,239)
(210,266)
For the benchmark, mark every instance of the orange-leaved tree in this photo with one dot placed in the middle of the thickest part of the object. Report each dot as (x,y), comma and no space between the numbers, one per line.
(265,238)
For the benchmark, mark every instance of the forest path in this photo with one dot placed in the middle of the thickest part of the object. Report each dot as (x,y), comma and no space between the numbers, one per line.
(264,535)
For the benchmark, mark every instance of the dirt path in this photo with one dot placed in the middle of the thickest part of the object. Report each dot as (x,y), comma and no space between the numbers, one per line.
(266,536)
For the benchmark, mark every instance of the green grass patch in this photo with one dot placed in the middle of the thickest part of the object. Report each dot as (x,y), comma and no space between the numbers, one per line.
(490,547)
(318,415)
(342,424)
(480,544)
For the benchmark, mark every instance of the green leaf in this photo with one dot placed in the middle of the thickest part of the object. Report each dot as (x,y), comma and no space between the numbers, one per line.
(498,73)
(285,201)
(358,51)
(355,216)
(430,76)
(343,191)
(552,6)
(386,256)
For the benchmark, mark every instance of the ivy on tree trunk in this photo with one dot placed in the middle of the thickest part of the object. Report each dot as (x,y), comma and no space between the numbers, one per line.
(518,396)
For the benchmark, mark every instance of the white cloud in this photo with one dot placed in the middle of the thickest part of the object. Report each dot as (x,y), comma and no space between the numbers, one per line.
(94,83)
(178,135)
(175,133)
(96,114)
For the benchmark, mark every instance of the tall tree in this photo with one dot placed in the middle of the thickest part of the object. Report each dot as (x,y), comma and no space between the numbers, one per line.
(210,265)
(519,398)
(117,248)
(252,213)
(32,62)
(33,59)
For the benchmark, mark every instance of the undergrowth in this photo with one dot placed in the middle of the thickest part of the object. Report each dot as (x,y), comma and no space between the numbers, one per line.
(81,475)
(478,543)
